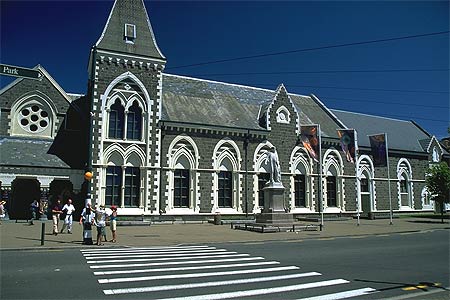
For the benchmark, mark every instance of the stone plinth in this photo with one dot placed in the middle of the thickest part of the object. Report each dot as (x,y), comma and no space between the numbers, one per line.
(274,218)
(273,198)
(274,211)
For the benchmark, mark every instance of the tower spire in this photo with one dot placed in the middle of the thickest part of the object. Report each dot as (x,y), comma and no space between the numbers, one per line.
(128,30)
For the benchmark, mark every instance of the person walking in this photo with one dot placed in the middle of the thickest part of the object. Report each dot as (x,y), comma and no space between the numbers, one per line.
(56,212)
(34,208)
(87,219)
(100,223)
(68,209)
(113,223)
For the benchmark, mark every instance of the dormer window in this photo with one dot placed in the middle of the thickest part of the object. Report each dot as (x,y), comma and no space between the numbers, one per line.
(130,33)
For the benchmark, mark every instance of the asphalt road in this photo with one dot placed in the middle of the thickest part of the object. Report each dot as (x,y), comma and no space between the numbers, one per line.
(395,266)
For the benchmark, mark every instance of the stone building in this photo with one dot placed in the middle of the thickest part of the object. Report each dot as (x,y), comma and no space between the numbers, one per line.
(164,145)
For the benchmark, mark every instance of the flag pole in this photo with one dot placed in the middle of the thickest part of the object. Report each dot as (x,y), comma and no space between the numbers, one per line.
(389,180)
(358,179)
(320,178)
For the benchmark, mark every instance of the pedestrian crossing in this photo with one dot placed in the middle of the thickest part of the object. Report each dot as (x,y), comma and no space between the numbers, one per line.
(208,273)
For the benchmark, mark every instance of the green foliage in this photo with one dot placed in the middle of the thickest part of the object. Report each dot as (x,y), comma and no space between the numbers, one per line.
(438,182)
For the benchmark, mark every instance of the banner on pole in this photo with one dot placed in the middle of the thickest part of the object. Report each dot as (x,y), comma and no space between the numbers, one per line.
(379,149)
(348,143)
(310,139)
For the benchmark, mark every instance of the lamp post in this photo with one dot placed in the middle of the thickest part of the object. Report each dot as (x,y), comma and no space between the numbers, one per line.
(87,229)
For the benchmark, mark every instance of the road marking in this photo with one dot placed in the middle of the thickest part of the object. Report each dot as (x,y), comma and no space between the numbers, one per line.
(47,250)
(144,252)
(408,233)
(343,295)
(195,275)
(419,294)
(175,248)
(177,262)
(159,254)
(358,236)
(206,284)
(165,258)
(254,243)
(421,286)
(186,268)
(262,291)
(293,241)
(327,239)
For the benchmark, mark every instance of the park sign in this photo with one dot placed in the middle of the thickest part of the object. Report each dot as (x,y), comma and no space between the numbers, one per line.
(20,72)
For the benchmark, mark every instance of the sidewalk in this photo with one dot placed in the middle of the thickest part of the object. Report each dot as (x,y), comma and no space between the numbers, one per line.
(21,236)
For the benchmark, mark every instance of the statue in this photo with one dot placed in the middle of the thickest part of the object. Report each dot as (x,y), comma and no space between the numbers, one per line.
(274,163)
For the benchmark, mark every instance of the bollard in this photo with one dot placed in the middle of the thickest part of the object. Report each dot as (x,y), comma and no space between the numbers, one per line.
(42,233)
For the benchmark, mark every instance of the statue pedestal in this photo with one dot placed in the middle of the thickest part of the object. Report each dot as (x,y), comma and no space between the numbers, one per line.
(274,211)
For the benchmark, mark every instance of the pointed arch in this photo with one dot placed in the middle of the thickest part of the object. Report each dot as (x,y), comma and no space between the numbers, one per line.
(365,185)
(121,176)
(121,77)
(183,191)
(132,115)
(405,185)
(301,181)
(425,197)
(333,169)
(261,174)
(226,180)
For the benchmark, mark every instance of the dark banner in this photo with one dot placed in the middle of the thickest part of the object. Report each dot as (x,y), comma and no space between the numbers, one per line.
(348,143)
(310,139)
(379,149)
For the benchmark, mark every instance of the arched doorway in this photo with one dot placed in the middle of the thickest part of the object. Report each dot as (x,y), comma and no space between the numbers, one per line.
(60,188)
(23,192)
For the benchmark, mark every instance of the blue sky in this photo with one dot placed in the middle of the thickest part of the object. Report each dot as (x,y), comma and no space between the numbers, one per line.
(402,78)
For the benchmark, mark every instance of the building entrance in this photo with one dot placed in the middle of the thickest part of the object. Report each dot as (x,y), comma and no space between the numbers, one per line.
(23,192)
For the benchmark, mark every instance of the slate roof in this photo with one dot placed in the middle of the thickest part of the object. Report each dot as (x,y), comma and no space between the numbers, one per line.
(192,100)
(129,12)
(28,153)
(402,135)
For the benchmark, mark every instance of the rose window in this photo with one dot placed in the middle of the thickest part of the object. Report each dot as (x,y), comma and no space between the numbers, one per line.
(33,119)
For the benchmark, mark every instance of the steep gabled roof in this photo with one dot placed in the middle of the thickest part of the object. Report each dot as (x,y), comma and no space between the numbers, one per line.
(198,101)
(47,76)
(402,135)
(129,12)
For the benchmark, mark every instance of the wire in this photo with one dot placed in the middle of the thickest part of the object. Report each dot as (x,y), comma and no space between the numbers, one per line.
(348,88)
(310,49)
(323,72)
(334,99)
(395,116)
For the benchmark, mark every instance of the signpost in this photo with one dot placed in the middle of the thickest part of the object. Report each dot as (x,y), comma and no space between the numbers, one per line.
(20,72)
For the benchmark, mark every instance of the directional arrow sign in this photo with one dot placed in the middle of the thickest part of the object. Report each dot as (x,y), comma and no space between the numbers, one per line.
(20,72)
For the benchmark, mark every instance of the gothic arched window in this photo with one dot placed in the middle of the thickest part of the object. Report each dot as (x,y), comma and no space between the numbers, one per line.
(116,121)
(134,122)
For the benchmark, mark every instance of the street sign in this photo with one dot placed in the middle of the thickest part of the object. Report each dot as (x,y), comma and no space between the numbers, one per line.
(20,72)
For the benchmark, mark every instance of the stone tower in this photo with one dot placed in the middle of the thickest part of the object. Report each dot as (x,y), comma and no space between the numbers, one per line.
(125,95)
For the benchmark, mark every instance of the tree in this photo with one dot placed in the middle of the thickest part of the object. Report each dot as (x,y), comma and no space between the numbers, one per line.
(438,184)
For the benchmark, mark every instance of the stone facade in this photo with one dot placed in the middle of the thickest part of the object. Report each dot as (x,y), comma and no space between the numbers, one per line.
(163,145)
